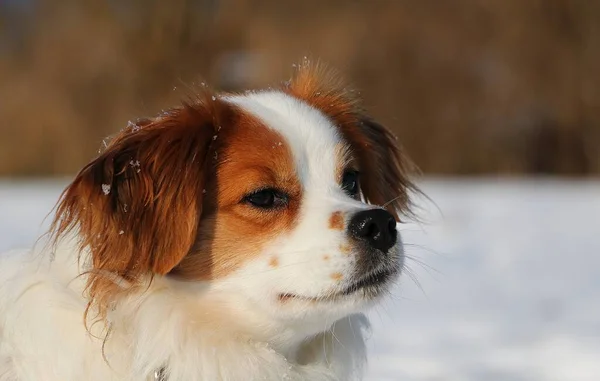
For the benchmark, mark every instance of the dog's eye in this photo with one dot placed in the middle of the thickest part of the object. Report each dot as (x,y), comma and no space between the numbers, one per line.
(350,182)
(266,199)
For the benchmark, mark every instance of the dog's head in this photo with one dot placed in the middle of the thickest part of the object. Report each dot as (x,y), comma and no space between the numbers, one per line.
(287,199)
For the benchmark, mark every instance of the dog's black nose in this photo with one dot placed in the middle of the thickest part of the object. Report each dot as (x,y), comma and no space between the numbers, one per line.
(376,227)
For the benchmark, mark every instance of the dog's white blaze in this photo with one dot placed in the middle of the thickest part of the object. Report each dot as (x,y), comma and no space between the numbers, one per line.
(315,143)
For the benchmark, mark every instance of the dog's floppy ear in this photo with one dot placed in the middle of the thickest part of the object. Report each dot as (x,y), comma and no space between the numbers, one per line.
(385,170)
(136,208)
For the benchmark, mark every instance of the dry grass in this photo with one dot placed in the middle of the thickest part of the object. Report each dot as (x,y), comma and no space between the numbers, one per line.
(470,86)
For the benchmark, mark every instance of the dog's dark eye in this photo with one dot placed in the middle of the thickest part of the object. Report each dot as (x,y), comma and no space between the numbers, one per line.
(350,182)
(266,199)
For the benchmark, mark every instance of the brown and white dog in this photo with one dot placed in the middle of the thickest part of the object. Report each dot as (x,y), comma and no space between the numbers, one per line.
(236,237)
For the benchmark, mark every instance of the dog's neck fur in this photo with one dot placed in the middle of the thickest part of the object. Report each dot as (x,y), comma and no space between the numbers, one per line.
(199,340)
(161,327)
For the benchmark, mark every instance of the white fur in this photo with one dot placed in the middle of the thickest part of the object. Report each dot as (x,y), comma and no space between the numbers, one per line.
(234,328)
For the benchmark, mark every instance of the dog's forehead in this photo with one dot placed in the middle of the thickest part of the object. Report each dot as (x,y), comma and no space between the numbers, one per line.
(313,139)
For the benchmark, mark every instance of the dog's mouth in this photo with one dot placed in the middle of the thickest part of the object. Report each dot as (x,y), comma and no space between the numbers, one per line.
(374,280)
(371,285)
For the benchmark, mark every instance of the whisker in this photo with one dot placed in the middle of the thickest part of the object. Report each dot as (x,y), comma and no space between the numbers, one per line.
(429,199)
(351,327)
(399,298)
(392,200)
(426,249)
(325,346)
(423,265)
(332,330)
(378,312)
(413,277)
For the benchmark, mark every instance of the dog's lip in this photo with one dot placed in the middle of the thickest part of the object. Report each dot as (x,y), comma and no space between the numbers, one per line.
(372,280)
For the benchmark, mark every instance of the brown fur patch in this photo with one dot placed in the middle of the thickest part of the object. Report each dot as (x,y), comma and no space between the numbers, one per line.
(336,221)
(337,276)
(274,262)
(383,167)
(137,206)
(345,249)
(166,197)
(231,230)
(326,257)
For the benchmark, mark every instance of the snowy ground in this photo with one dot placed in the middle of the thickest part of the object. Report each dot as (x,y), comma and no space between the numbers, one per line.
(509,275)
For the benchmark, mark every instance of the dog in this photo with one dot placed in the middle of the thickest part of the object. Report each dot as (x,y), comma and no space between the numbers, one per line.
(234,237)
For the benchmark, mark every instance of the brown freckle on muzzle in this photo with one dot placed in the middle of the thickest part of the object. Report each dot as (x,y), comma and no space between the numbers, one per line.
(326,257)
(337,276)
(345,249)
(336,221)
(274,262)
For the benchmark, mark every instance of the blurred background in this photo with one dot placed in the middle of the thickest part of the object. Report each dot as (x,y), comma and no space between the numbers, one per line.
(498,102)
(470,86)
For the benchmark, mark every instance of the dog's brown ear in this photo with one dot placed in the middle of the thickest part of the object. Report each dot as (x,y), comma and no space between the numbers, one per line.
(384,169)
(136,208)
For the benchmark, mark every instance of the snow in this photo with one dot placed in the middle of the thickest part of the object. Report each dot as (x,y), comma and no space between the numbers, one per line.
(509,274)
(133,126)
(510,286)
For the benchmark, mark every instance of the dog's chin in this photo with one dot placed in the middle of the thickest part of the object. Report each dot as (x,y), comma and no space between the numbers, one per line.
(365,289)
